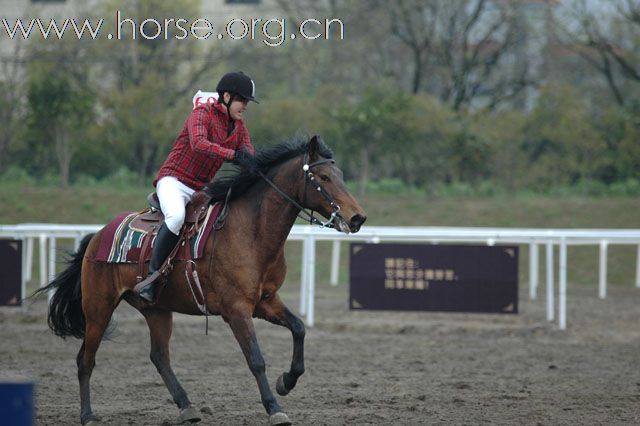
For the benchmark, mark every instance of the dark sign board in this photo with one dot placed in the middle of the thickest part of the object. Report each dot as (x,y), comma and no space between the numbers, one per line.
(461,278)
(11,273)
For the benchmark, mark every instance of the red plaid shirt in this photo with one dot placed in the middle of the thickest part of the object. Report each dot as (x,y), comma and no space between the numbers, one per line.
(203,145)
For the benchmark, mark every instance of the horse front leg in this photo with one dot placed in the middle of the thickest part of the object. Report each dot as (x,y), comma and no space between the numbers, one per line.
(275,311)
(242,327)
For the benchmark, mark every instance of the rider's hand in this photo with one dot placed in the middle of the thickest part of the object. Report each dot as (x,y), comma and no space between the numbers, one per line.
(244,159)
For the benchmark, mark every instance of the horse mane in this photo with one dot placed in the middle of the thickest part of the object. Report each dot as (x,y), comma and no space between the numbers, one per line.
(265,159)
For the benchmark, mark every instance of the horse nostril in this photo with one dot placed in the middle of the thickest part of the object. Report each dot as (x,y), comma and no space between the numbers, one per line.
(357,221)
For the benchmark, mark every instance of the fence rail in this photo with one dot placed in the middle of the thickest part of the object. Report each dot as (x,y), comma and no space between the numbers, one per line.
(533,237)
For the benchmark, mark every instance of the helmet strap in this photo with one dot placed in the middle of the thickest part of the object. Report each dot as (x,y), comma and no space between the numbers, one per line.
(228,105)
(221,99)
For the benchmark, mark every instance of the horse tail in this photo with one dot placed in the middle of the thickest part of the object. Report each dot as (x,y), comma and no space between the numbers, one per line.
(65,309)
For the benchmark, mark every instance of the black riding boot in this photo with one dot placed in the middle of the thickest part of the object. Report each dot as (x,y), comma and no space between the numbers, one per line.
(165,242)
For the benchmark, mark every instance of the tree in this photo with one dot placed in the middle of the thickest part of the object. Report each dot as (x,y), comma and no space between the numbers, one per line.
(11,101)
(367,132)
(607,37)
(457,48)
(140,125)
(560,142)
(147,83)
(504,130)
(60,100)
(619,129)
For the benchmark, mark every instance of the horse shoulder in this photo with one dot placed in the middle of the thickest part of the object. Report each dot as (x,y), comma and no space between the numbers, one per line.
(275,273)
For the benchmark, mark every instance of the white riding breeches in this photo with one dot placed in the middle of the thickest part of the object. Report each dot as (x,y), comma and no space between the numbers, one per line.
(174,196)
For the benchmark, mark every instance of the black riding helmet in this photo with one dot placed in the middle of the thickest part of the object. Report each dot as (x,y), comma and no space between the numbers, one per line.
(237,84)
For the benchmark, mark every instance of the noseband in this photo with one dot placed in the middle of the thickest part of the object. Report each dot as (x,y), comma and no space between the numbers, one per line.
(310,178)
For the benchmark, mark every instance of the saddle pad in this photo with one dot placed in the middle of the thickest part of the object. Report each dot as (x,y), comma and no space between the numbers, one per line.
(120,243)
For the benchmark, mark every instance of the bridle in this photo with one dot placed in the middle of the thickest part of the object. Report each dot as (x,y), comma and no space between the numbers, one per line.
(310,178)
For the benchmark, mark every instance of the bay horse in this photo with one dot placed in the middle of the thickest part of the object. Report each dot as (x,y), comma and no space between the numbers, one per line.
(241,271)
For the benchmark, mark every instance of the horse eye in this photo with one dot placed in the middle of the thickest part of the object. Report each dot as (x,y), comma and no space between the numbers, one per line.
(324,178)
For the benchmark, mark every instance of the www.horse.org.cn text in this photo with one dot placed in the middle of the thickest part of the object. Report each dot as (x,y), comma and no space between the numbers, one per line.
(272,32)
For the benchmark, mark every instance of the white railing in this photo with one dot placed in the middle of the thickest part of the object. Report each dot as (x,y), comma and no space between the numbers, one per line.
(550,238)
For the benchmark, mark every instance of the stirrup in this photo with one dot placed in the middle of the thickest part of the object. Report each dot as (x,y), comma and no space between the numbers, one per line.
(148,293)
(150,280)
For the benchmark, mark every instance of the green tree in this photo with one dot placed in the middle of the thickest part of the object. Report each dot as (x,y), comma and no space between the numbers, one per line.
(283,118)
(428,130)
(146,85)
(367,131)
(141,126)
(561,144)
(12,105)
(619,129)
(607,37)
(504,130)
(60,103)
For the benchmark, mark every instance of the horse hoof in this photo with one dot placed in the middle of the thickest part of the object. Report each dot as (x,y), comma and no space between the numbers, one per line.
(279,419)
(280,387)
(90,420)
(190,415)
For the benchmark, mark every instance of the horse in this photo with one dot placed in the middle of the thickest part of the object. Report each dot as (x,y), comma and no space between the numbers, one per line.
(241,271)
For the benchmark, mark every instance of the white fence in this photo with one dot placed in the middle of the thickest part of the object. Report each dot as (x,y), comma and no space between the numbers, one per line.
(534,238)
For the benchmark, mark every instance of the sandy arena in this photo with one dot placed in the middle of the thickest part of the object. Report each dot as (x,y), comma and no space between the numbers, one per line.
(362,368)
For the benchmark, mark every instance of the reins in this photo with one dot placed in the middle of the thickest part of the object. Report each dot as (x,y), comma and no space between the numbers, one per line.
(309,177)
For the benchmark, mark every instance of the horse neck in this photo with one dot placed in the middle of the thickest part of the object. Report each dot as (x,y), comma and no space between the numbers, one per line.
(275,215)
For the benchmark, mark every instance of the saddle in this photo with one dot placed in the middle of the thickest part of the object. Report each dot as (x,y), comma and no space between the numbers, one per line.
(153,219)
(150,222)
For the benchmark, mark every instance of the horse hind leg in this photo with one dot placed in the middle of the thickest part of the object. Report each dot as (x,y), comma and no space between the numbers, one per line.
(95,326)
(84,375)
(160,327)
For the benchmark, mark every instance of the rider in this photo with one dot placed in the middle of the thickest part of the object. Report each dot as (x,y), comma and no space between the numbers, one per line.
(212,133)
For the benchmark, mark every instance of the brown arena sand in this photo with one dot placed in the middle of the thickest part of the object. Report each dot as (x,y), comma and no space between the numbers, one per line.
(362,368)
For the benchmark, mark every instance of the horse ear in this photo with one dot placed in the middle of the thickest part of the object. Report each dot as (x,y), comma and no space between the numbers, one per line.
(313,148)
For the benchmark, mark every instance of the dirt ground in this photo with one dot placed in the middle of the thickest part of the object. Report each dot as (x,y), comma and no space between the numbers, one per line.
(363,368)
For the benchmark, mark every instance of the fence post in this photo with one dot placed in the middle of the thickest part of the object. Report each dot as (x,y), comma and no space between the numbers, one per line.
(638,268)
(533,270)
(303,277)
(43,260)
(550,271)
(602,283)
(29,258)
(562,289)
(335,262)
(311,280)
(25,265)
(52,263)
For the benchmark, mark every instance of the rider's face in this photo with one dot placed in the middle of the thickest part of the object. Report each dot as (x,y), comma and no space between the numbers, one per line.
(238,106)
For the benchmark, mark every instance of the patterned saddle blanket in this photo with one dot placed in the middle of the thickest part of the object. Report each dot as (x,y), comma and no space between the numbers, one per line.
(122,239)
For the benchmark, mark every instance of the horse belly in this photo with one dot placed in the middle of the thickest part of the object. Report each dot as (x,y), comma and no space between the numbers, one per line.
(176,297)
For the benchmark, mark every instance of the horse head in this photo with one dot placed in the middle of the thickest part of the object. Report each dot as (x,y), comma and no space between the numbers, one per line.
(305,175)
(323,190)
